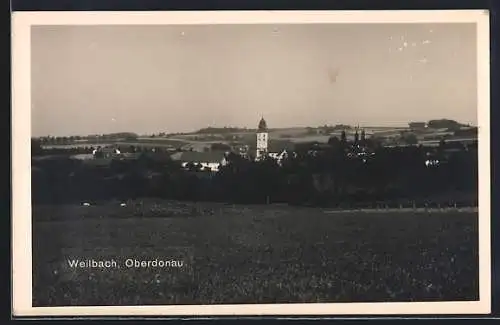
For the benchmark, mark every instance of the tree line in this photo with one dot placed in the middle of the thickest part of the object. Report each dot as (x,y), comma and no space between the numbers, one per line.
(339,175)
(65,140)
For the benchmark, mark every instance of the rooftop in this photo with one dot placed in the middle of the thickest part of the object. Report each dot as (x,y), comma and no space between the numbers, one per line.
(262,125)
(107,149)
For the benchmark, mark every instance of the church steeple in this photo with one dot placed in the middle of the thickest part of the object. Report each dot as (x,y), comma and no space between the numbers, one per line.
(262,139)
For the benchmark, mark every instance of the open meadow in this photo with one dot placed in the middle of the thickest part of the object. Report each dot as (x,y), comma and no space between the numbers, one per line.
(251,254)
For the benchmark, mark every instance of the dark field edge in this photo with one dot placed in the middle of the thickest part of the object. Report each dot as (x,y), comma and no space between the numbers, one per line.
(123,5)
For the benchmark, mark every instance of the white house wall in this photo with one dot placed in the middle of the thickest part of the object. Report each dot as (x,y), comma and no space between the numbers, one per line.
(212,166)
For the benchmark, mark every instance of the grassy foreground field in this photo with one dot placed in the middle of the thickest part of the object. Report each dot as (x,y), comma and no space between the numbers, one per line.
(251,254)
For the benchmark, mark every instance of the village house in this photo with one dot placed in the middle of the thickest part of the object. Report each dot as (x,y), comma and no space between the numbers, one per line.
(106,152)
(100,156)
(280,150)
(279,156)
(205,161)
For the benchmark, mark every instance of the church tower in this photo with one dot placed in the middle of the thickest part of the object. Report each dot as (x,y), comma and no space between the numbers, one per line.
(262,139)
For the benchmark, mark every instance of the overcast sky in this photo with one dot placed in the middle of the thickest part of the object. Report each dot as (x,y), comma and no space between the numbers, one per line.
(145,79)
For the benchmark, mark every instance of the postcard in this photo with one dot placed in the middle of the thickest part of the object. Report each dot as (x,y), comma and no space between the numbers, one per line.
(251,163)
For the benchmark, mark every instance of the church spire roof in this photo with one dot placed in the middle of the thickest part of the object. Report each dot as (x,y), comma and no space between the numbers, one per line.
(262,125)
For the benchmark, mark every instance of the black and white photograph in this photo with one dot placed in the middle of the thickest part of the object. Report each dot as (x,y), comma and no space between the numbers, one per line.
(226,163)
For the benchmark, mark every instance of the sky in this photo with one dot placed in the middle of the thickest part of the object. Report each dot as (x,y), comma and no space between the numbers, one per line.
(180,78)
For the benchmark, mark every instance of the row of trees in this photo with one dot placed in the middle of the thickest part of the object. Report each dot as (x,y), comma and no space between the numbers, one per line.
(63,140)
(445,124)
(329,178)
(223,130)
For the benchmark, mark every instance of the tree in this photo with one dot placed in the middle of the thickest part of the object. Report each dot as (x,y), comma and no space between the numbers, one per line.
(333,141)
(36,147)
(471,132)
(220,147)
(444,124)
(410,139)
(343,137)
(310,130)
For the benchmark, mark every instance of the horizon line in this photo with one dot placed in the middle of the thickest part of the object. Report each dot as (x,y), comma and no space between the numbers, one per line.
(253,128)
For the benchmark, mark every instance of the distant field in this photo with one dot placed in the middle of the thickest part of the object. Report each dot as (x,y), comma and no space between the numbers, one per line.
(252,254)
(296,135)
(309,138)
(75,145)
(293,132)
(156,141)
